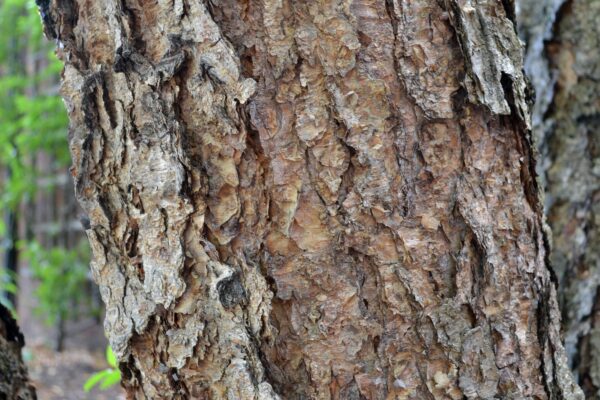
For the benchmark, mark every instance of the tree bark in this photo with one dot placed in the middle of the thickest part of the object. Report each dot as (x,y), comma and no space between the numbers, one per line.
(14,382)
(324,200)
(562,57)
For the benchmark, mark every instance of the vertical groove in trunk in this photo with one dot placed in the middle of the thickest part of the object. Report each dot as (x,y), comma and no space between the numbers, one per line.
(325,200)
(14,381)
(563,41)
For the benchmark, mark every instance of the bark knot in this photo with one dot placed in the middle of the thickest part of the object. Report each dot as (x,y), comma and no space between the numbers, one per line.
(231,291)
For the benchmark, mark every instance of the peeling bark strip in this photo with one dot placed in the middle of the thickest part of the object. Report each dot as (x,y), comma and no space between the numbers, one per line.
(296,200)
(14,382)
(564,38)
(493,55)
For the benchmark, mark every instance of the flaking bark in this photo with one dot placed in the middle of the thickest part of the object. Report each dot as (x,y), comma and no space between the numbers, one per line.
(324,200)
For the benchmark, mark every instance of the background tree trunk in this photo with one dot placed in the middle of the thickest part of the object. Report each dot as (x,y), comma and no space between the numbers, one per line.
(14,382)
(325,200)
(563,38)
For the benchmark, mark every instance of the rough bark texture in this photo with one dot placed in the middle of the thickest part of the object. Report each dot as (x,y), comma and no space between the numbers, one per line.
(312,200)
(563,40)
(14,382)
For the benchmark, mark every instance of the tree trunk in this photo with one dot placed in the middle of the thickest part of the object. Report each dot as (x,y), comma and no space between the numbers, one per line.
(562,57)
(312,200)
(14,383)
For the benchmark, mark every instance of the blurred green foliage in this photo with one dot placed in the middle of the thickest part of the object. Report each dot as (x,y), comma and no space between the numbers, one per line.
(62,275)
(32,116)
(33,121)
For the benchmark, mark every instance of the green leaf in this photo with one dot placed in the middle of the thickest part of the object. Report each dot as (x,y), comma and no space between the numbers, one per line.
(110,357)
(106,378)
(95,379)
(111,380)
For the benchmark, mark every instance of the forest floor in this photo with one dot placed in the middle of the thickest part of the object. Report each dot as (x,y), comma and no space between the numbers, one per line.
(61,375)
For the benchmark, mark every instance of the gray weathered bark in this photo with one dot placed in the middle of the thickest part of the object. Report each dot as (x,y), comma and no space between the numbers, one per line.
(563,40)
(325,199)
(14,382)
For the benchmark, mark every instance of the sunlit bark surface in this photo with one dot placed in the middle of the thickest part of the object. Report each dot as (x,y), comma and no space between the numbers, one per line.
(312,199)
(563,39)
